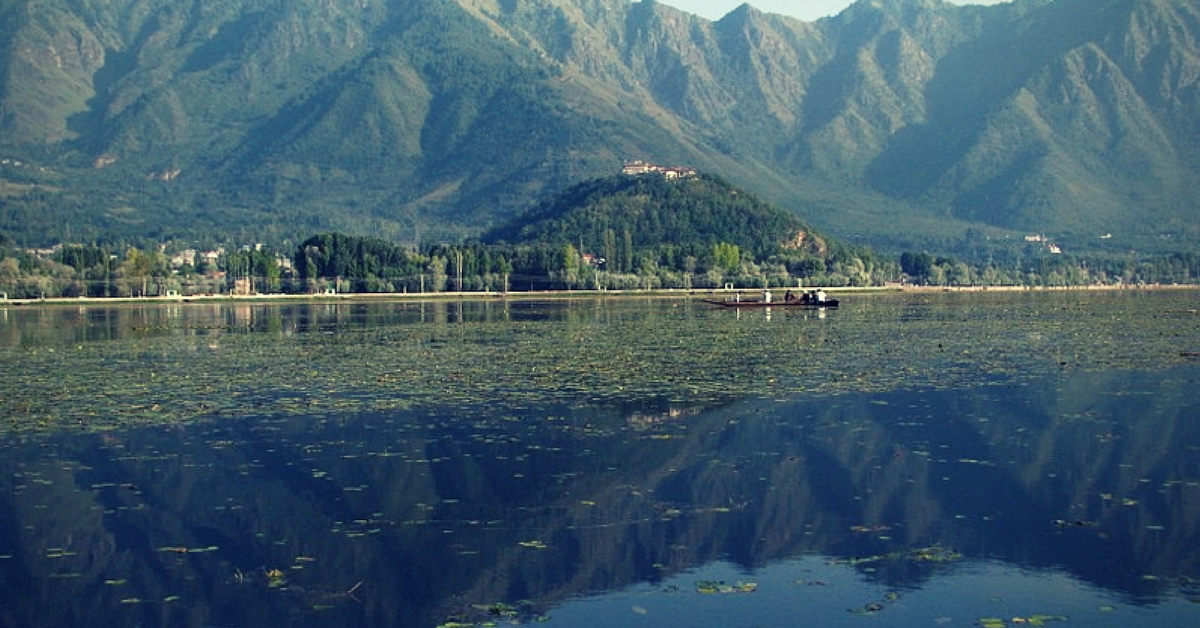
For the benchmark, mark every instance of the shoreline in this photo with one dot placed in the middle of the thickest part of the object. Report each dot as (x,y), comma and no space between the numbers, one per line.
(556,294)
(1090,288)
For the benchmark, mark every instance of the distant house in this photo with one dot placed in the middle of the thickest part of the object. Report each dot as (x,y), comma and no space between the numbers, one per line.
(243,286)
(47,252)
(186,257)
(637,167)
(668,172)
(678,173)
(1041,239)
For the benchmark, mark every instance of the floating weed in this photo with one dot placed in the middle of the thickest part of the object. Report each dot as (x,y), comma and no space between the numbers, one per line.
(498,609)
(397,364)
(871,608)
(179,549)
(1032,620)
(935,554)
(714,587)
(276,578)
(932,554)
(495,614)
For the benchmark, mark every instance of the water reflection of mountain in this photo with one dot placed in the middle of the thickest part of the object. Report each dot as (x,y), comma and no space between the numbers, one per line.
(408,519)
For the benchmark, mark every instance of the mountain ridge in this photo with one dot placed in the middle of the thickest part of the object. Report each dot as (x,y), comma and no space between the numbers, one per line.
(901,123)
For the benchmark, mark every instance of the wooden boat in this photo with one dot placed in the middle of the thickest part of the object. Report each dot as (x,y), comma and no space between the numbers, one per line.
(795,303)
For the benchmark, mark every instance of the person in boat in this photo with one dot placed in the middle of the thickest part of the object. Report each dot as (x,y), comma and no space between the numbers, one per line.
(820,296)
(789,297)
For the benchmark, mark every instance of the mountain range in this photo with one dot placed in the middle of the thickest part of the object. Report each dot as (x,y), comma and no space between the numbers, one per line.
(905,124)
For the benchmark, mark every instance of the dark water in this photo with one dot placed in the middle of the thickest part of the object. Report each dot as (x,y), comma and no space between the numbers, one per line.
(914,460)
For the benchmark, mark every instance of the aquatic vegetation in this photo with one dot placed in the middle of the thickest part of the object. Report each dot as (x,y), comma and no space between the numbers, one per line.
(933,554)
(1032,620)
(713,587)
(603,351)
(495,614)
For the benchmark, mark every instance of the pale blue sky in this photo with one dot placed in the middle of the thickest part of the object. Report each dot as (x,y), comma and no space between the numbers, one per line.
(808,10)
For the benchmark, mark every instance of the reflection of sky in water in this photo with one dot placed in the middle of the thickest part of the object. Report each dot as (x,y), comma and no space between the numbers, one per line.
(1057,491)
(811,591)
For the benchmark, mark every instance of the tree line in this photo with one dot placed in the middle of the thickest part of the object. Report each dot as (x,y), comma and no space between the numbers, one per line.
(356,264)
(101,271)
(363,264)
(1052,270)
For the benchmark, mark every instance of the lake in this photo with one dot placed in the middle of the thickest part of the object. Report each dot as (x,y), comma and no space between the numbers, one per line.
(939,459)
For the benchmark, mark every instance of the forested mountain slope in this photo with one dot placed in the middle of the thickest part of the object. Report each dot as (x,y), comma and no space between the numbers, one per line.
(900,123)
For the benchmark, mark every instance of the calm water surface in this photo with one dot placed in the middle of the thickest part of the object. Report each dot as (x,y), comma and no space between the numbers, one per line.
(917,460)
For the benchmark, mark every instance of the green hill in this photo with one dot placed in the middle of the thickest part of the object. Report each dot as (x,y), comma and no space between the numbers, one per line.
(693,214)
(620,232)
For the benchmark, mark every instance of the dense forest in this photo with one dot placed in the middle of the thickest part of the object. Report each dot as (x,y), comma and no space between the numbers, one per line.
(616,233)
(358,264)
(693,212)
(621,232)
(348,264)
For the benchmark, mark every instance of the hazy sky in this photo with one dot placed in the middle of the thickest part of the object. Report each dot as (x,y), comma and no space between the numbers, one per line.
(804,9)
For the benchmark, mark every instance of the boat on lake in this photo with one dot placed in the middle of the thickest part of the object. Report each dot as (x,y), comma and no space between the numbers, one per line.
(805,301)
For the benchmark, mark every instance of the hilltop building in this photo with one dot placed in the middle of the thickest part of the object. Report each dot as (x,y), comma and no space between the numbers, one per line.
(668,172)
